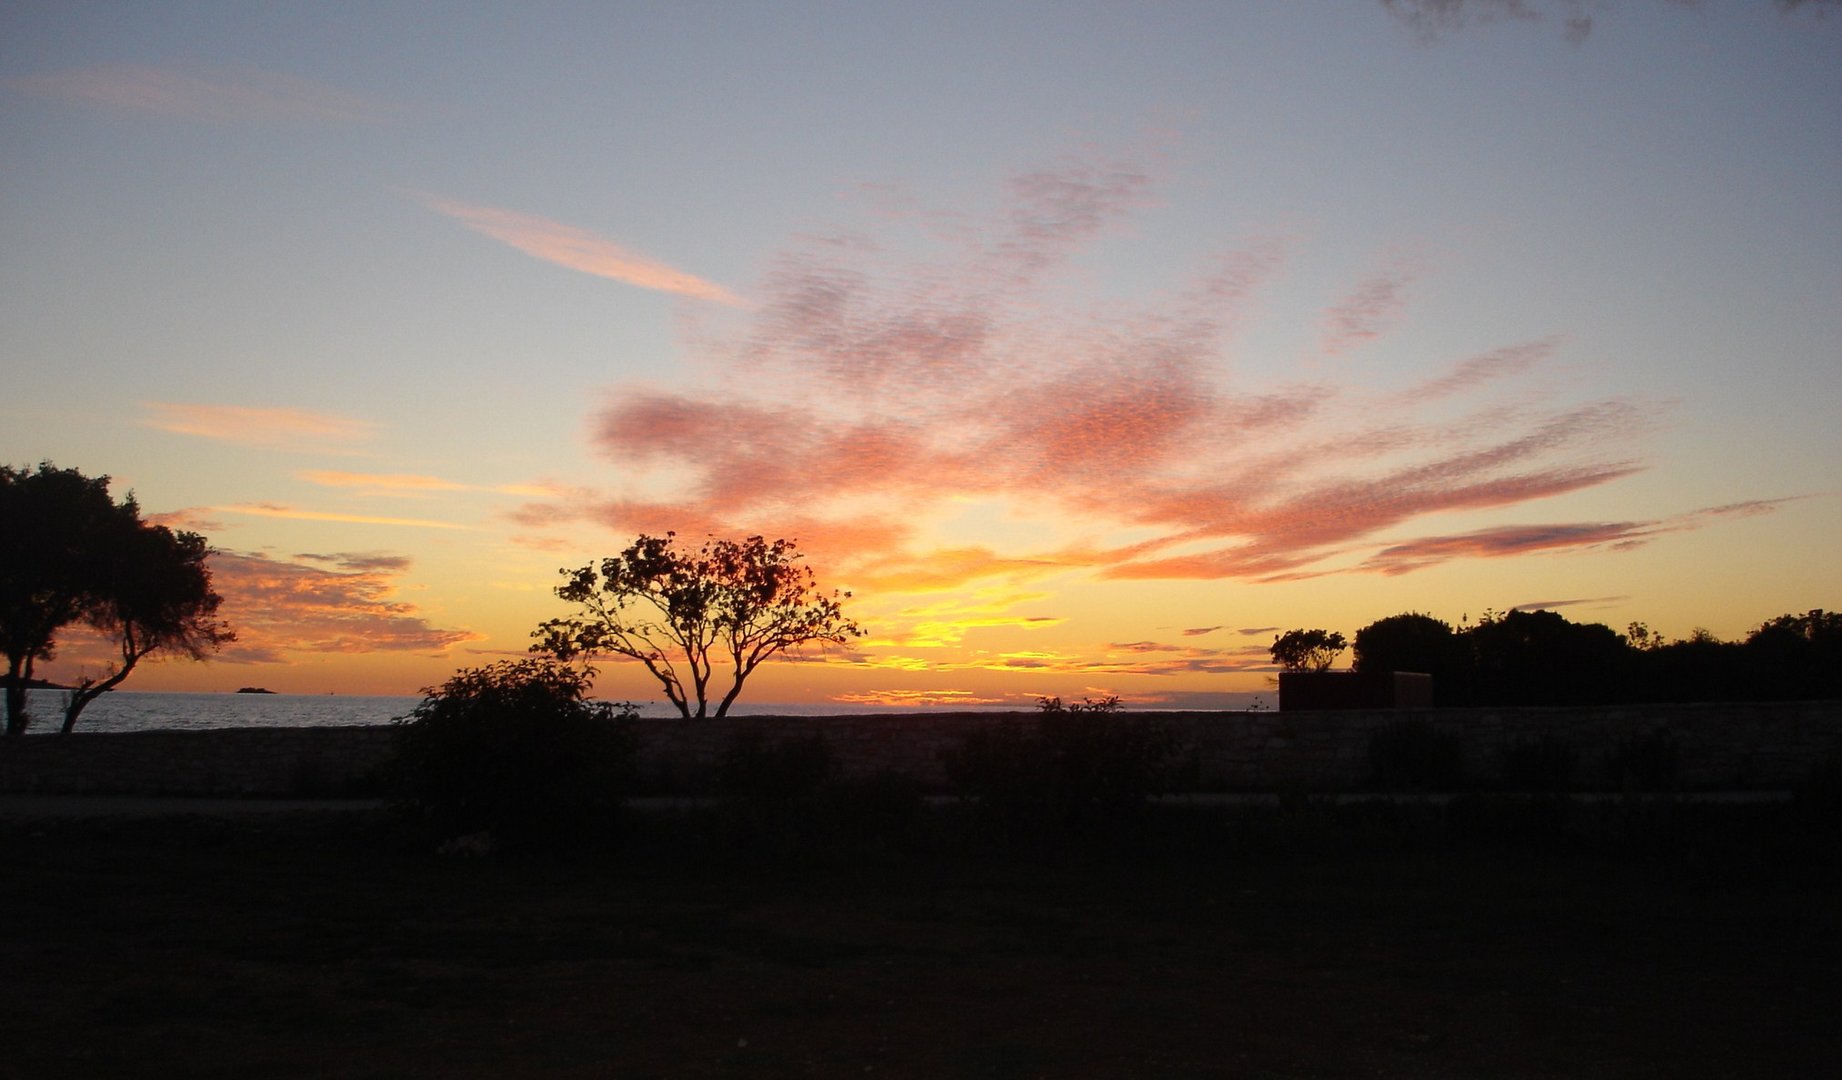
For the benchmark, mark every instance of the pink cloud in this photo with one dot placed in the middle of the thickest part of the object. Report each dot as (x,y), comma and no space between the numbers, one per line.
(1512,540)
(1370,310)
(261,426)
(871,387)
(578,249)
(1504,541)
(1475,371)
(1054,210)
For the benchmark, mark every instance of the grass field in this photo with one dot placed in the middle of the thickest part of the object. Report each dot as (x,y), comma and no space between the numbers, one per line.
(1272,943)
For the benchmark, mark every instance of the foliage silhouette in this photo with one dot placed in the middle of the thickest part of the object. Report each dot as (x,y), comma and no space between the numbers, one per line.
(514,749)
(156,597)
(1542,658)
(1080,769)
(1307,650)
(683,613)
(1412,641)
(70,554)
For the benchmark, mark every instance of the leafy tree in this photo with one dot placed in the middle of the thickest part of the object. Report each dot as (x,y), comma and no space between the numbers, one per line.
(1798,656)
(154,596)
(684,613)
(1412,641)
(1409,641)
(70,554)
(1307,650)
(1541,658)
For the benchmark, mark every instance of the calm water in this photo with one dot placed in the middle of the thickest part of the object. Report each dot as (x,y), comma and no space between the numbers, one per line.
(132,710)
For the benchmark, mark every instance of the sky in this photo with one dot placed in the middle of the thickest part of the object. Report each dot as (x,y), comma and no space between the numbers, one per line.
(1088,345)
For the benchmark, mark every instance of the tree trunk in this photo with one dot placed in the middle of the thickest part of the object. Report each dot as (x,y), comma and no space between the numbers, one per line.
(18,673)
(86,691)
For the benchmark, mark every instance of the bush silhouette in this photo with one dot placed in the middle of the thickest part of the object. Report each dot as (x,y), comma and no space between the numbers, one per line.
(514,749)
(1079,769)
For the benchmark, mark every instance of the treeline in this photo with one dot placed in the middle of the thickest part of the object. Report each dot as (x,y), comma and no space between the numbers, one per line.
(1542,658)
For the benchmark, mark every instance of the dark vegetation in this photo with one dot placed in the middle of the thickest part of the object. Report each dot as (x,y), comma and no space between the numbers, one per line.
(516,752)
(1307,650)
(1479,938)
(71,555)
(1541,658)
(1059,921)
(1079,770)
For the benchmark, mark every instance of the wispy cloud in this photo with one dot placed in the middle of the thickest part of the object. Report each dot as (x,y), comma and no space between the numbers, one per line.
(294,513)
(1550,605)
(1510,540)
(1370,309)
(1432,19)
(1474,372)
(874,389)
(578,249)
(272,428)
(410,484)
(243,95)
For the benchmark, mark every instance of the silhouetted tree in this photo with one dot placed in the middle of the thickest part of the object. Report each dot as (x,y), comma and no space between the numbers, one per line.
(1798,656)
(683,613)
(154,596)
(1701,668)
(1540,658)
(70,554)
(1307,650)
(1412,641)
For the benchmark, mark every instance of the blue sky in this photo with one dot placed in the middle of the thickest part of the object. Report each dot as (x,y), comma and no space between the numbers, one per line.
(1086,342)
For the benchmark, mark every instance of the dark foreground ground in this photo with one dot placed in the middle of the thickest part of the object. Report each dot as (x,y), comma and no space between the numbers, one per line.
(1277,943)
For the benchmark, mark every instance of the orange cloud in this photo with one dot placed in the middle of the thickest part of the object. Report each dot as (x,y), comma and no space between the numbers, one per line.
(578,249)
(921,699)
(281,608)
(260,426)
(224,96)
(400,484)
(273,510)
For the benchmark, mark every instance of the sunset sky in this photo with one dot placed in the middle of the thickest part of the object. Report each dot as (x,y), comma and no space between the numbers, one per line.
(1089,344)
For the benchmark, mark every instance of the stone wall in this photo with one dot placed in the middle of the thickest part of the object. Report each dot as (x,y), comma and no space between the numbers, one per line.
(1758,746)
(305,762)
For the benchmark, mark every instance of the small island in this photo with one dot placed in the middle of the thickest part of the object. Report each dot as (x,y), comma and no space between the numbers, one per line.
(254,690)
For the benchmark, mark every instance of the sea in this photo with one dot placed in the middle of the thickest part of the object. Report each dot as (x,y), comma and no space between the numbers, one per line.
(145,710)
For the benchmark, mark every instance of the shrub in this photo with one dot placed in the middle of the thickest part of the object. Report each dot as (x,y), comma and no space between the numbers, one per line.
(788,796)
(515,749)
(1081,768)
(1414,755)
